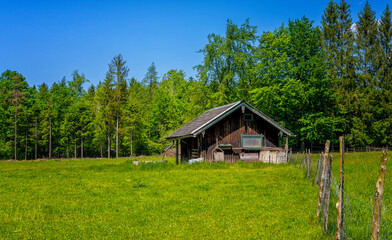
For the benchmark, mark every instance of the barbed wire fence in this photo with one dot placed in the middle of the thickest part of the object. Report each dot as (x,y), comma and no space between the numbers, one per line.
(358,213)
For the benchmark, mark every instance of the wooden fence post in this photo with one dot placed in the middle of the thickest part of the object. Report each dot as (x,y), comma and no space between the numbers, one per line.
(378,196)
(305,160)
(309,162)
(327,194)
(317,170)
(320,169)
(340,203)
(321,192)
(302,158)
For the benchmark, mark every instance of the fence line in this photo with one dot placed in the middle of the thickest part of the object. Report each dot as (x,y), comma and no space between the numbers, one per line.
(358,214)
(347,149)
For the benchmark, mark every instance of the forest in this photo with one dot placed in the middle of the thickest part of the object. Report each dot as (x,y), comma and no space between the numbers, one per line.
(317,81)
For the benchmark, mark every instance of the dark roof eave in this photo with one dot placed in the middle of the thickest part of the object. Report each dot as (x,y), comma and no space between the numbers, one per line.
(271,121)
(254,110)
(179,137)
(225,113)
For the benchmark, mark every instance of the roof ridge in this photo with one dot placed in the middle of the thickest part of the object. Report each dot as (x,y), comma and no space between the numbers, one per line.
(217,116)
(209,117)
(223,106)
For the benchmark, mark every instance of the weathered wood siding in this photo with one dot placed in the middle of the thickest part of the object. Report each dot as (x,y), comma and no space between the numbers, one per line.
(229,130)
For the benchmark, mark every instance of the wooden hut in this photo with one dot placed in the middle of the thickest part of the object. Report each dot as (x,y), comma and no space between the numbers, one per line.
(231,133)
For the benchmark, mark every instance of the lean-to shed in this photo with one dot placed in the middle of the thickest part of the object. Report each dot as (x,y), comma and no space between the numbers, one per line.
(230,133)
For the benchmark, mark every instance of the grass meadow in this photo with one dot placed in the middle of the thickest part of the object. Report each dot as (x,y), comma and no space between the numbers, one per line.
(361,174)
(115,199)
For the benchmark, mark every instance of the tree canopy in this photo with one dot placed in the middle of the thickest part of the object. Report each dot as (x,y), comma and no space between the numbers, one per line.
(318,81)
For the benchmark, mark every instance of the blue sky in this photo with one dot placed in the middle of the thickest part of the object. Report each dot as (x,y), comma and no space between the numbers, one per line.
(46,40)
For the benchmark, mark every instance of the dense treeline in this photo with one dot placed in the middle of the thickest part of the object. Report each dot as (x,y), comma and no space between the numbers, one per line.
(319,82)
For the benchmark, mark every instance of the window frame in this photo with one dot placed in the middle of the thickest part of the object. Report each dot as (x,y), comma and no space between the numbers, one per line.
(248,120)
(261,136)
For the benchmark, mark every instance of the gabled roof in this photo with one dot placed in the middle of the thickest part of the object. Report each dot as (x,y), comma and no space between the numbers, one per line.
(212,116)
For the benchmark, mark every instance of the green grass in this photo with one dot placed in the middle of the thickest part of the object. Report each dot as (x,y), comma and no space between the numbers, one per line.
(361,174)
(115,199)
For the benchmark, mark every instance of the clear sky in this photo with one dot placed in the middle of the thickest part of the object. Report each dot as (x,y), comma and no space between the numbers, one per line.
(46,40)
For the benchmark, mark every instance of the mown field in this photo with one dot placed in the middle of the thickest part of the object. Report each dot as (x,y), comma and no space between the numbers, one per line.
(115,199)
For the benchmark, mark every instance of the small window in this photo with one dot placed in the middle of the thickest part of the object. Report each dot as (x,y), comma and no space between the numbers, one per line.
(251,141)
(248,117)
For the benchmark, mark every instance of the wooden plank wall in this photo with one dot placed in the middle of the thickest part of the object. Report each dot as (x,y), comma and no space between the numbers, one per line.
(228,131)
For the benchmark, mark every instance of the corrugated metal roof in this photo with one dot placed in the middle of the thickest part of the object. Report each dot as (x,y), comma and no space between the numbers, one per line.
(210,117)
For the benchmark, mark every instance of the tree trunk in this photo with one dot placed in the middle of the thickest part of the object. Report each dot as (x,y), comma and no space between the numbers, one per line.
(100,148)
(81,142)
(35,140)
(131,144)
(117,135)
(149,115)
(50,138)
(75,154)
(67,148)
(16,129)
(26,144)
(108,143)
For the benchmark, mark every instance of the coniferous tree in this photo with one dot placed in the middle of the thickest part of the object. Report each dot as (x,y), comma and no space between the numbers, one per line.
(106,110)
(151,81)
(5,116)
(367,44)
(135,126)
(35,109)
(383,127)
(88,120)
(27,114)
(119,73)
(385,33)
(345,61)
(169,105)
(17,94)
(329,35)
(364,102)
(337,42)
(62,98)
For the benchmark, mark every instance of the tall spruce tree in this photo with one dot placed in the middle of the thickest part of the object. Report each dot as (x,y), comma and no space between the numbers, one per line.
(329,35)
(14,91)
(151,81)
(367,45)
(106,109)
(385,34)
(345,61)
(383,127)
(119,72)
(364,104)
